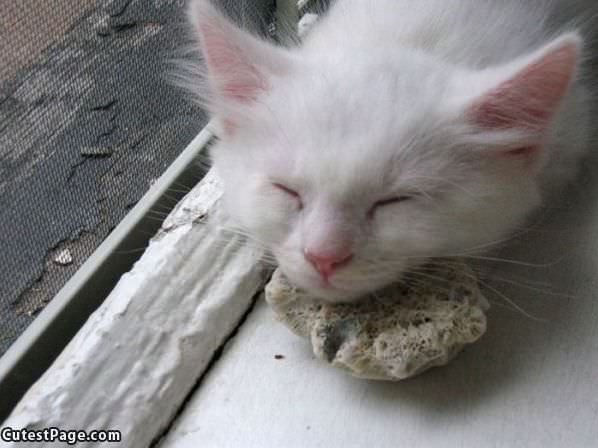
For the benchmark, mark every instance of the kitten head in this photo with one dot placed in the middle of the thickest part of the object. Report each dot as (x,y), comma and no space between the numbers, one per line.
(352,168)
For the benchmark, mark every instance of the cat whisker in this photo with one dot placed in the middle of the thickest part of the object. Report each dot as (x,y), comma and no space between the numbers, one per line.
(532,288)
(130,251)
(511,302)
(162,209)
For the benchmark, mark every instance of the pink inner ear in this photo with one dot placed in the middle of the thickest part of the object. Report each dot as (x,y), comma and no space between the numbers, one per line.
(231,74)
(529,99)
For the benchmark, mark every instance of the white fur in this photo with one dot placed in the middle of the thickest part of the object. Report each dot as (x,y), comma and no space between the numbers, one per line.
(372,106)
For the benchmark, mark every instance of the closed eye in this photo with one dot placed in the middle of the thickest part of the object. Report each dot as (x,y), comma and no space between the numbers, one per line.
(290,192)
(391,201)
(386,202)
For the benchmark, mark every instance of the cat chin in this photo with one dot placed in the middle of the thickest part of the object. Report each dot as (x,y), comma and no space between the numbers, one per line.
(331,292)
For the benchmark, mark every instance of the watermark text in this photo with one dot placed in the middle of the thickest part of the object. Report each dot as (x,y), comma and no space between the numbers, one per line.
(70,437)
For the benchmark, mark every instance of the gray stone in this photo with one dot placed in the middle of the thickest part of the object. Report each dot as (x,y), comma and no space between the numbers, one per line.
(395,334)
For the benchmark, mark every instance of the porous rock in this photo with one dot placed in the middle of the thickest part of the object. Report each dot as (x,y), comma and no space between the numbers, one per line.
(393,334)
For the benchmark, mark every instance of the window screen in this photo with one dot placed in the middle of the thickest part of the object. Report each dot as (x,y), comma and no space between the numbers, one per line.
(88,120)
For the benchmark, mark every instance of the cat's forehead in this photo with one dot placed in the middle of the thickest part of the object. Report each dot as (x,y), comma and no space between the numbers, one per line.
(354,79)
(383,99)
(346,130)
(336,170)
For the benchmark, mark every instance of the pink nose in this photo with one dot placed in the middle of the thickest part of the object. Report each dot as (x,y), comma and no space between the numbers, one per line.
(327,264)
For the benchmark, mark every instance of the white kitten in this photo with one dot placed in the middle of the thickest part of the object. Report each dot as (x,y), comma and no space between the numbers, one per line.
(399,130)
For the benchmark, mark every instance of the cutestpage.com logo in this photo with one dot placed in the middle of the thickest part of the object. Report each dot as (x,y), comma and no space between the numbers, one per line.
(70,437)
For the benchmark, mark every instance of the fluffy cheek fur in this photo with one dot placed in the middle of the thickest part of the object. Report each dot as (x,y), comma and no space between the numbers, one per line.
(256,210)
(481,213)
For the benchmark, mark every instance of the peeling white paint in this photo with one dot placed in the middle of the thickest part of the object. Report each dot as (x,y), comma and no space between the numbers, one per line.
(132,364)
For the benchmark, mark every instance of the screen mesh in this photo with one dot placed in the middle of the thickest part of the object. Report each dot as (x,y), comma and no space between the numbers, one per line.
(88,121)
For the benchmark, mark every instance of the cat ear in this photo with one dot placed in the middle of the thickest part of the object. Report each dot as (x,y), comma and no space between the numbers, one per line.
(519,101)
(239,64)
